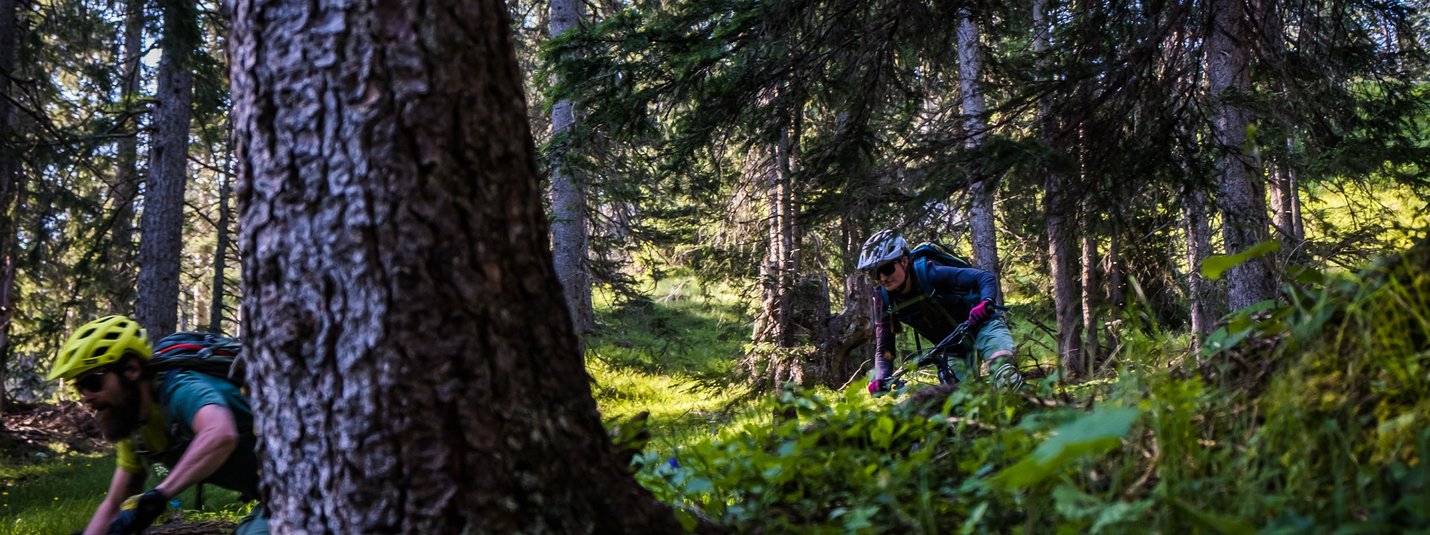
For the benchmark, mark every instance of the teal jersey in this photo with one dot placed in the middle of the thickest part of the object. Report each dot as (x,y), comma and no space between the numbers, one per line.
(181,394)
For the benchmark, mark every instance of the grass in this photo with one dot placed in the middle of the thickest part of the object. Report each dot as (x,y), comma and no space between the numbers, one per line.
(670,355)
(58,493)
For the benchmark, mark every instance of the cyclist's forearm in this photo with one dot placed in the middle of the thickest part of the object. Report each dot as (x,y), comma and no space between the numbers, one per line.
(121,486)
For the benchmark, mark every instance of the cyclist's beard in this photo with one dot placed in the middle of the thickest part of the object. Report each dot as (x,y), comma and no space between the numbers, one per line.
(117,422)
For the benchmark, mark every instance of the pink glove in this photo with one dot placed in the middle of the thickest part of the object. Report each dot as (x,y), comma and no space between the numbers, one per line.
(876,386)
(981,312)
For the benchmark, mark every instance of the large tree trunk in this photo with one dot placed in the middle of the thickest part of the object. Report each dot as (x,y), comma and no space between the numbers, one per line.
(10,185)
(982,187)
(1059,211)
(1242,195)
(413,360)
(163,220)
(125,187)
(570,236)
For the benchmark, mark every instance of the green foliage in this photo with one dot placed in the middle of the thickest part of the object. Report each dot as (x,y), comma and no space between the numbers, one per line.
(1332,439)
(1092,434)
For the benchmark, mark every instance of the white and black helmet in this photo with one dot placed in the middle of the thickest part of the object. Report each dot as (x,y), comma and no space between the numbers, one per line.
(883,246)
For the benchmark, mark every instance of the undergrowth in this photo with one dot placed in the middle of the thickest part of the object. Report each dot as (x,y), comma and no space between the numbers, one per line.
(1295,417)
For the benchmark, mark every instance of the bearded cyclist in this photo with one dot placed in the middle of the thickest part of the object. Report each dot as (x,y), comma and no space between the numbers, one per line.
(197,425)
(933,308)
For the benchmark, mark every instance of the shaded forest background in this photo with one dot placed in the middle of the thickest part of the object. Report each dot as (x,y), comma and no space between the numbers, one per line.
(1125,168)
(1072,147)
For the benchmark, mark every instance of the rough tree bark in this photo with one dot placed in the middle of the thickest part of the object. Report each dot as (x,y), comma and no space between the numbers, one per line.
(982,187)
(1059,220)
(1241,194)
(161,235)
(413,362)
(125,186)
(570,235)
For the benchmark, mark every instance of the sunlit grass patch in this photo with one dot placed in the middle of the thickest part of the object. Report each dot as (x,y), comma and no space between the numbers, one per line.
(59,494)
(670,354)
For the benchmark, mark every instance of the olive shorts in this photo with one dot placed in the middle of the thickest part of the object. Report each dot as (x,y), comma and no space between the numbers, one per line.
(993,338)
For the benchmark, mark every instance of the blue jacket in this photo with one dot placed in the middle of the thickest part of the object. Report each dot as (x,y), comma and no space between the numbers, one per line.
(956,291)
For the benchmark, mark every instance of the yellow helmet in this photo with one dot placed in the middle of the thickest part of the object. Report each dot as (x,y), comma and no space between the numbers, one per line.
(99,343)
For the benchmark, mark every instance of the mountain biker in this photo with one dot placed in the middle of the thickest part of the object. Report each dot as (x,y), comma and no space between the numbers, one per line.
(197,425)
(885,259)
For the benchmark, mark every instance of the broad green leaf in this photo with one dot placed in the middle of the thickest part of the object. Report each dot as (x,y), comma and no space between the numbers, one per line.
(1214,266)
(1094,433)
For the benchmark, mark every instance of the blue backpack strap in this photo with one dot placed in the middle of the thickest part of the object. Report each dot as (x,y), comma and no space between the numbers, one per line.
(923,270)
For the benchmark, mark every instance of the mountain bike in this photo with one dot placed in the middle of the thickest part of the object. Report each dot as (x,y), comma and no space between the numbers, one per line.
(937,364)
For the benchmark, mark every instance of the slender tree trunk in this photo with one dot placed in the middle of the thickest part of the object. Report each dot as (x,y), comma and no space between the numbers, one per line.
(780,261)
(1059,212)
(1116,285)
(1089,285)
(1198,233)
(1295,224)
(10,185)
(163,219)
(220,253)
(1280,208)
(413,359)
(1242,195)
(125,186)
(982,187)
(570,233)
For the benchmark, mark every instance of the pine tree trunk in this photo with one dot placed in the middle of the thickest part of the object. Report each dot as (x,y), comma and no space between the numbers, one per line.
(1089,286)
(10,185)
(1059,221)
(780,269)
(1116,283)
(1292,201)
(1241,195)
(412,357)
(982,187)
(220,254)
(570,235)
(1198,234)
(161,241)
(120,261)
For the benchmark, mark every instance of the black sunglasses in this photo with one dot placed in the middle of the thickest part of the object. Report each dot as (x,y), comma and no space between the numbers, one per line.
(884,269)
(93,382)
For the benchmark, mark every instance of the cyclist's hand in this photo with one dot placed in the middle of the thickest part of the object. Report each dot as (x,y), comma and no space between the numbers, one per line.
(137,513)
(981,312)
(1005,376)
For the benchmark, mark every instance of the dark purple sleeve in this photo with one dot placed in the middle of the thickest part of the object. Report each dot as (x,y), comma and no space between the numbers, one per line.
(883,338)
(953,279)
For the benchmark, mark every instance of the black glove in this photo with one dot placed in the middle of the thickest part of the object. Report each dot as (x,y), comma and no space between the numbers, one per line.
(138,512)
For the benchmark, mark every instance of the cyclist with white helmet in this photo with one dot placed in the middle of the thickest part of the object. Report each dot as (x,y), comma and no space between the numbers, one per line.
(953,294)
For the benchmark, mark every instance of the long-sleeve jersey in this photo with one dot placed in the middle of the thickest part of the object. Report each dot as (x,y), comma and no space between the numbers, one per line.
(913,309)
